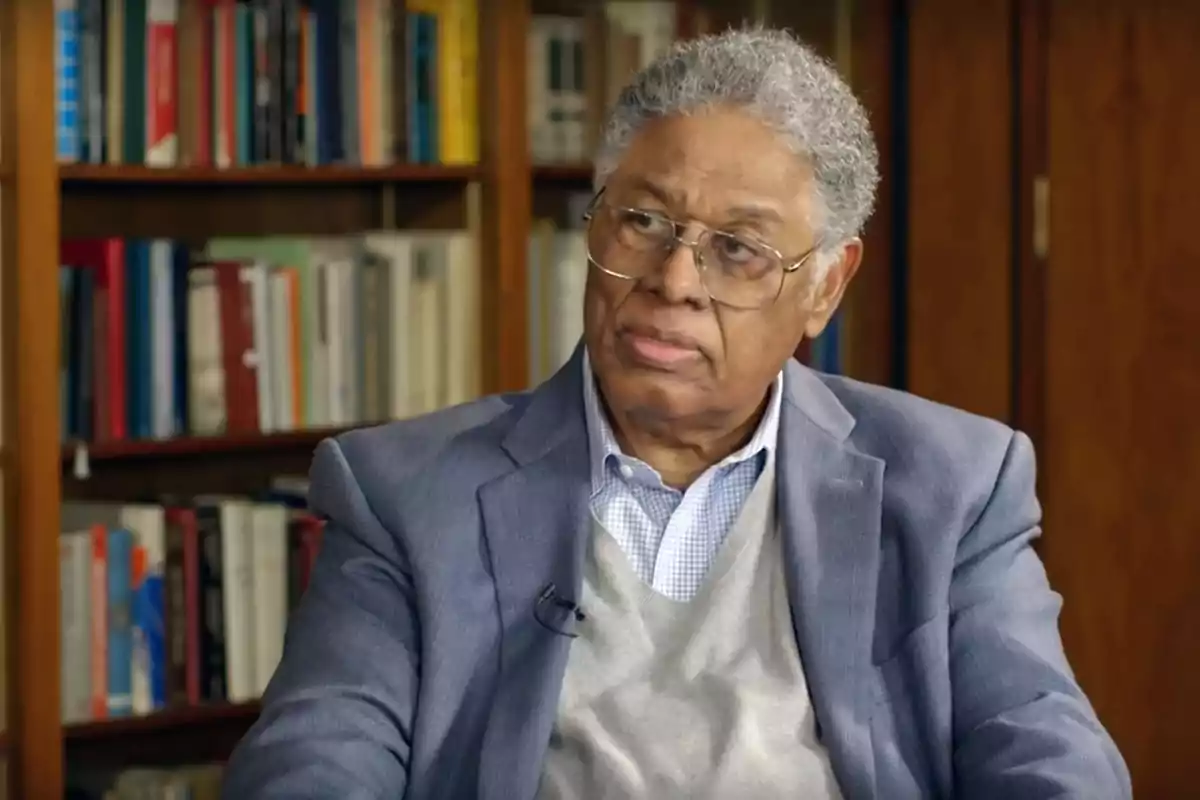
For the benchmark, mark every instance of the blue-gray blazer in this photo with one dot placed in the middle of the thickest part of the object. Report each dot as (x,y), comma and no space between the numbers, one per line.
(414,666)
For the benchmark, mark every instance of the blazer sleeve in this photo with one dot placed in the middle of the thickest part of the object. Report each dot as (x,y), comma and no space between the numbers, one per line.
(1022,725)
(337,716)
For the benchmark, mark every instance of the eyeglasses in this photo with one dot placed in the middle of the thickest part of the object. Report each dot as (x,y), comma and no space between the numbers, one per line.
(736,271)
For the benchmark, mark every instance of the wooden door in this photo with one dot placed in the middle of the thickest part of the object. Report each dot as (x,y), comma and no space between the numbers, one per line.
(1119,318)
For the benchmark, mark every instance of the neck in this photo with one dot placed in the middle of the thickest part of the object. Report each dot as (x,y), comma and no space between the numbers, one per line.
(681,456)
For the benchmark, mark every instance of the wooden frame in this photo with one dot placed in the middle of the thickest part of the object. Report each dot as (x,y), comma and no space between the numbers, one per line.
(30,295)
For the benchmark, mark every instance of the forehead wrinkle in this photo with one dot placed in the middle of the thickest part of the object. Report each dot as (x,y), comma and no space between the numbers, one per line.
(689,201)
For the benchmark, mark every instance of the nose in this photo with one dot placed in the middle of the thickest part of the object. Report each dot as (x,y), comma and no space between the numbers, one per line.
(679,280)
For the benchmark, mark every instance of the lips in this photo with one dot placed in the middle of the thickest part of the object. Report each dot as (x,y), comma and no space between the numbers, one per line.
(660,349)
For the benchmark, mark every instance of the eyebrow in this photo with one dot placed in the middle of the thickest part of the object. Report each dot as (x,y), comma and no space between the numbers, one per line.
(742,213)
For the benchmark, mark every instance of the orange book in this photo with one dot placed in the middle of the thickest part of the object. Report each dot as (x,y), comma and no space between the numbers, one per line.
(99,621)
(369,21)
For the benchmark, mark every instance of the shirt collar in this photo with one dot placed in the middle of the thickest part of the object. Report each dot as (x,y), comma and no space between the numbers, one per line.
(602,444)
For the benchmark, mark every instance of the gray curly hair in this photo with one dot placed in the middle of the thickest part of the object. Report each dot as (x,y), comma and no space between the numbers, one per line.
(787,85)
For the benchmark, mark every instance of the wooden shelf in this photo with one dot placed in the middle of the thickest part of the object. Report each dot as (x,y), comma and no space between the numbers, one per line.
(184,735)
(191,717)
(563,173)
(91,174)
(148,449)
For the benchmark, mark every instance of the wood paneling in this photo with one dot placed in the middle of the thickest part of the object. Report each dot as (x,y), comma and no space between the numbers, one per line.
(1122,455)
(871,340)
(30,295)
(1029,357)
(506,193)
(959,215)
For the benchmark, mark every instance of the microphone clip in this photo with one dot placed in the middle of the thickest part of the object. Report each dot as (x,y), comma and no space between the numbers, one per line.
(548,602)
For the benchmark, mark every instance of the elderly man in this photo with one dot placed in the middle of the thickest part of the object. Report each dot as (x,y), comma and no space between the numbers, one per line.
(686,566)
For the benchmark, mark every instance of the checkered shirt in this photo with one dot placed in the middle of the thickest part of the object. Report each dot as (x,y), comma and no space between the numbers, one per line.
(670,537)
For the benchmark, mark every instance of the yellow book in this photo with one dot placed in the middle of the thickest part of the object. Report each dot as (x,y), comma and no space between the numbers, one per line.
(451,125)
(470,79)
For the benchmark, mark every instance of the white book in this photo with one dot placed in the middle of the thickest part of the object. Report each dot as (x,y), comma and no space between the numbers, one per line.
(396,250)
(539,103)
(279,351)
(75,554)
(570,279)
(269,550)
(317,308)
(162,345)
(427,314)
(339,319)
(461,324)
(255,275)
(206,368)
(237,581)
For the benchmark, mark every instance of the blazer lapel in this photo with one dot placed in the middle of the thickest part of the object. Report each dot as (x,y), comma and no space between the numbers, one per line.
(535,524)
(830,507)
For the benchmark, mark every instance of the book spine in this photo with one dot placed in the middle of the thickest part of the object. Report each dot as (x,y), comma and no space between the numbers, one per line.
(120,623)
(66,69)
(212,606)
(162,78)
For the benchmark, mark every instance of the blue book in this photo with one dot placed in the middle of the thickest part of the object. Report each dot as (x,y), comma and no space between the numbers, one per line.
(66,72)
(149,632)
(326,53)
(120,623)
(138,337)
(243,81)
(181,262)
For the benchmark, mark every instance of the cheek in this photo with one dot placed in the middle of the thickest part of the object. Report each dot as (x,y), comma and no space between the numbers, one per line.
(602,297)
(758,344)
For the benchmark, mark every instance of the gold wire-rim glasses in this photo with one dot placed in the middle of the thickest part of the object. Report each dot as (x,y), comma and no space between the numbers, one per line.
(675,240)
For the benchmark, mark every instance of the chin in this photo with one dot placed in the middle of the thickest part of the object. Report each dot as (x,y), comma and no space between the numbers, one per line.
(658,394)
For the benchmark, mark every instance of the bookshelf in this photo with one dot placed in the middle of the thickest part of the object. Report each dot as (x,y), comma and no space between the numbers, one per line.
(103,174)
(186,446)
(43,202)
(205,733)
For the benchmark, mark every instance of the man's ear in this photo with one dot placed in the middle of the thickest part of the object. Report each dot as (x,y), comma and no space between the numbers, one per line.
(831,288)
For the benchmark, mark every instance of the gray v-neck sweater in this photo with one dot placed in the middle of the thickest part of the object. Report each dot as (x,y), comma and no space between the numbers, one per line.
(701,699)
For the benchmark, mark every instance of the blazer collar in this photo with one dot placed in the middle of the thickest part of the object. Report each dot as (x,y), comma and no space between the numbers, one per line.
(553,416)
(809,395)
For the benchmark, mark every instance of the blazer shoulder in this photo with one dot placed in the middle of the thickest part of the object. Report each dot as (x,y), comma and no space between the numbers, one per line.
(452,444)
(891,417)
(931,449)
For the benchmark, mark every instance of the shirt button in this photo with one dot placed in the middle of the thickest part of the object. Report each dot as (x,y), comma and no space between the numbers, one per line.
(626,471)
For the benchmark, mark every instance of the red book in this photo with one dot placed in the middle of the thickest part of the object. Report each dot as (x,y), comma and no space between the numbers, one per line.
(224,86)
(237,348)
(306,530)
(106,257)
(162,78)
(204,88)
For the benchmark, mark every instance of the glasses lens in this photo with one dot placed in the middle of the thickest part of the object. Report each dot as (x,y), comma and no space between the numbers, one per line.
(628,243)
(740,272)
